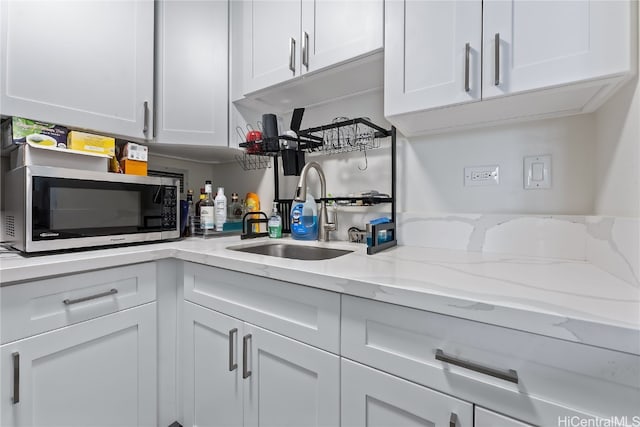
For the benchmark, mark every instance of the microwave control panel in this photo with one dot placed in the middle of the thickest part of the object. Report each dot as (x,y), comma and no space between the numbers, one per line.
(169,208)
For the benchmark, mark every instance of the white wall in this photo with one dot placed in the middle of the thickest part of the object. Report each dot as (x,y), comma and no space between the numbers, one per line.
(432,173)
(617,187)
(430,168)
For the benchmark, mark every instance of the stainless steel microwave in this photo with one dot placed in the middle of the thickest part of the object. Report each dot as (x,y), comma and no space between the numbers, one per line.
(51,209)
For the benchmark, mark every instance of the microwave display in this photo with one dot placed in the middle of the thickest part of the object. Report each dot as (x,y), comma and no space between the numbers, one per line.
(64,208)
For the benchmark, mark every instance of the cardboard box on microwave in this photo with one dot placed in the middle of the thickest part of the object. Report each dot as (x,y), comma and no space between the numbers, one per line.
(38,133)
(92,143)
(133,167)
(133,151)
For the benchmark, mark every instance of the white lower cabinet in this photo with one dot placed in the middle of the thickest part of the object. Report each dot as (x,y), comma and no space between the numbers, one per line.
(239,374)
(373,398)
(95,373)
(536,379)
(485,418)
(212,380)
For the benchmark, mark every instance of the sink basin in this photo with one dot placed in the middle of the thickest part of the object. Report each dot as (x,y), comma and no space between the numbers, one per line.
(283,250)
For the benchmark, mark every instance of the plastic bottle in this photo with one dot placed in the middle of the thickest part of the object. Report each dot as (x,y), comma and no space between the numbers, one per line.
(275,223)
(304,219)
(221,209)
(207,209)
(252,204)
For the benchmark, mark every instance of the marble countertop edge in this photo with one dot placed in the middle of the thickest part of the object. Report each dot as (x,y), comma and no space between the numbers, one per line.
(394,276)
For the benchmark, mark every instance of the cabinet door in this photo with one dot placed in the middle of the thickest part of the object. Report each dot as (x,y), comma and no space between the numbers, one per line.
(291,384)
(550,43)
(372,398)
(191,72)
(85,64)
(271,42)
(212,380)
(334,31)
(99,372)
(426,58)
(486,418)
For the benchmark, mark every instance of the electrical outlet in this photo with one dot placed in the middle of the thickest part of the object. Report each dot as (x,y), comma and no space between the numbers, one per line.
(475,176)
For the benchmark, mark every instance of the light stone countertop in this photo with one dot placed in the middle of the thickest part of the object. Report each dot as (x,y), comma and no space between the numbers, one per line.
(566,299)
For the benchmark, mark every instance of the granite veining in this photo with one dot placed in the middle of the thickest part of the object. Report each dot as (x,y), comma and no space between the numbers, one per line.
(570,298)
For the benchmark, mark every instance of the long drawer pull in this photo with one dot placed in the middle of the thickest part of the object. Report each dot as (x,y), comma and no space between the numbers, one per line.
(16,377)
(90,297)
(232,333)
(145,125)
(305,50)
(467,51)
(292,55)
(246,373)
(453,420)
(496,65)
(509,375)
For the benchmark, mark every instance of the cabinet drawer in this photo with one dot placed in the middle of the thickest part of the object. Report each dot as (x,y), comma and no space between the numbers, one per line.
(299,312)
(452,355)
(34,307)
(372,398)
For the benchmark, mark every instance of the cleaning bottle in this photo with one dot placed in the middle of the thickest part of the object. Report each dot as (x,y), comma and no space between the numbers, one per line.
(207,209)
(304,219)
(221,209)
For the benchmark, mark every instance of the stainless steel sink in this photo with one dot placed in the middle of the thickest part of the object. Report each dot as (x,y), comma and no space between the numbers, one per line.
(283,250)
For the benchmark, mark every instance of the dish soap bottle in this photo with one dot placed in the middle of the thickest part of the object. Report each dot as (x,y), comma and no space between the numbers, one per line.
(252,204)
(275,223)
(304,219)
(221,209)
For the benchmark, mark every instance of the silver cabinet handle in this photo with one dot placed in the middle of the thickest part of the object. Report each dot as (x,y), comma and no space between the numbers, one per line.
(467,50)
(292,55)
(246,373)
(305,50)
(16,377)
(90,297)
(497,60)
(453,420)
(145,128)
(508,375)
(232,333)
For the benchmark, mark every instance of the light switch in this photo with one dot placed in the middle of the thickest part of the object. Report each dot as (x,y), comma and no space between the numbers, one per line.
(537,172)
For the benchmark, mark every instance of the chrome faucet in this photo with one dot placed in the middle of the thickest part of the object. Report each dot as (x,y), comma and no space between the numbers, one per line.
(324,226)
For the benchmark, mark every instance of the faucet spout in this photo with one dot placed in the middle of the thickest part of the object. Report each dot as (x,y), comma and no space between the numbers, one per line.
(324,226)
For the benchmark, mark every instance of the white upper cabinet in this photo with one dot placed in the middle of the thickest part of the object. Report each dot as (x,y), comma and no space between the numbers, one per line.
(192,72)
(548,43)
(433,54)
(80,64)
(286,39)
(334,31)
(558,57)
(271,42)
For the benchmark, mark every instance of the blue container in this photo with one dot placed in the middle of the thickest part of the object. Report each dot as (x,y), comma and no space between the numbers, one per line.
(304,219)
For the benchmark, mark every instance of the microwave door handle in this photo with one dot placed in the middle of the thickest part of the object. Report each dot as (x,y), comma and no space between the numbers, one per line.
(157,198)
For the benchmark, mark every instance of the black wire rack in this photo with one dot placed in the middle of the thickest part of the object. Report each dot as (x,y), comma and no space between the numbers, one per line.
(340,136)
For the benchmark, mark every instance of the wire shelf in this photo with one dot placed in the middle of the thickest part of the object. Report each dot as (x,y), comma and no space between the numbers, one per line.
(251,162)
(345,135)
